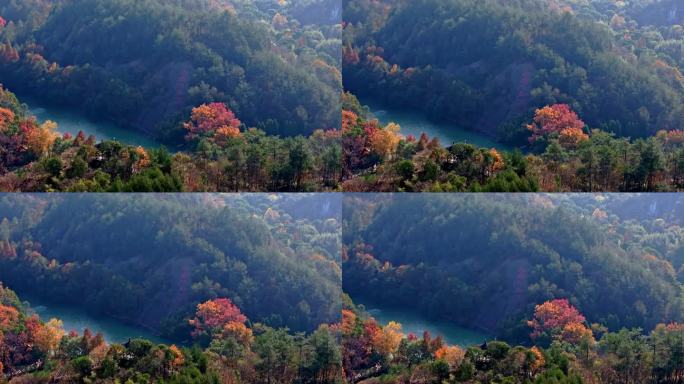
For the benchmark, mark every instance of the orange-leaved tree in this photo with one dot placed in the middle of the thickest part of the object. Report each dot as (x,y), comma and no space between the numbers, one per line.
(214,315)
(558,119)
(559,320)
(212,120)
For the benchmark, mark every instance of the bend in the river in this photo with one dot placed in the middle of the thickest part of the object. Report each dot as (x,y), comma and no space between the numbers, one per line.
(75,319)
(415,123)
(71,121)
(416,324)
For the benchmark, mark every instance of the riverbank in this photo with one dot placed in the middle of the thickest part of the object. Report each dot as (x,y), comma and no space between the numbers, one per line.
(71,121)
(416,324)
(76,319)
(415,123)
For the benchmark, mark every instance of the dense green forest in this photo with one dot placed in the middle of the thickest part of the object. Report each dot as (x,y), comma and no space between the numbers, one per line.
(485,261)
(591,91)
(487,65)
(247,94)
(150,259)
(146,64)
(566,351)
(379,158)
(224,155)
(35,351)
(590,286)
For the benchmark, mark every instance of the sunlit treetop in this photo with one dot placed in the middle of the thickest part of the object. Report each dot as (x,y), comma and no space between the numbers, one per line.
(215,315)
(213,120)
(557,118)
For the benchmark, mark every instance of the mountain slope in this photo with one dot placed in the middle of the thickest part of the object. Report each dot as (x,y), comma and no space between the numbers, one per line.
(151,259)
(145,64)
(485,261)
(487,65)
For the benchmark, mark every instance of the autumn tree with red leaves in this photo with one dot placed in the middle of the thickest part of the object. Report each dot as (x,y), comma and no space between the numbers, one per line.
(213,120)
(6,117)
(8,317)
(214,315)
(557,119)
(558,320)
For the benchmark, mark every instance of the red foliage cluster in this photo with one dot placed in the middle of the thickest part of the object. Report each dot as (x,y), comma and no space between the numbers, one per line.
(8,54)
(675,137)
(556,317)
(557,118)
(212,120)
(215,315)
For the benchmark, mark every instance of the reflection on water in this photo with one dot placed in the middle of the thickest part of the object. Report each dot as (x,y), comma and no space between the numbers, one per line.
(412,323)
(70,121)
(414,123)
(77,320)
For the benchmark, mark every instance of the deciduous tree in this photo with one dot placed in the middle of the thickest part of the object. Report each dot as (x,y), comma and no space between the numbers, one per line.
(48,336)
(214,315)
(40,139)
(388,339)
(208,119)
(558,319)
(556,119)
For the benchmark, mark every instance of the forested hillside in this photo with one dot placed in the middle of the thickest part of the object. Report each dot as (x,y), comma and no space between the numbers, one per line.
(590,92)
(229,349)
(486,261)
(146,64)
(487,65)
(246,93)
(223,155)
(566,350)
(379,158)
(588,287)
(150,259)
